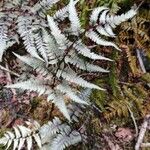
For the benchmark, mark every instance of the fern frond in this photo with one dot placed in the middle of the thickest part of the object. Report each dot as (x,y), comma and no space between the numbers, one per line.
(72,77)
(95,38)
(109,30)
(67,90)
(53,52)
(65,139)
(102,30)
(32,85)
(35,63)
(117,108)
(3,39)
(61,14)
(80,63)
(43,5)
(42,44)
(59,101)
(102,18)
(73,17)
(95,14)
(116,20)
(55,31)
(85,51)
(21,135)
(50,129)
(25,31)
(106,30)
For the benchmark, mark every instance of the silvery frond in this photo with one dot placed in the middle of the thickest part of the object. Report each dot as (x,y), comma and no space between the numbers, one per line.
(61,14)
(64,88)
(95,14)
(118,19)
(49,130)
(102,18)
(58,99)
(70,76)
(25,31)
(53,52)
(65,139)
(60,38)
(73,17)
(3,39)
(35,63)
(20,135)
(105,30)
(39,86)
(42,44)
(85,51)
(95,38)
(80,63)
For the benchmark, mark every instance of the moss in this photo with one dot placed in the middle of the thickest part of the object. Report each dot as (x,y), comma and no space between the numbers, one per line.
(146,77)
(97,96)
(34,103)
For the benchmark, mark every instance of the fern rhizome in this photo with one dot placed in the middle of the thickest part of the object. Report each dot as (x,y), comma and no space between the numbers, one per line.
(56,49)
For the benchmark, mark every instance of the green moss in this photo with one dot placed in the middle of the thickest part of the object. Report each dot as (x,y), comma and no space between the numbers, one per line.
(34,103)
(113,79)
(146,77)
(99,97)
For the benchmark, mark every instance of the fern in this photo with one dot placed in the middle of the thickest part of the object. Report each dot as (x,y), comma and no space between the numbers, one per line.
(136,32)
(55,134)
(95,37)
(79,63)
(54,50)
(35,19)
(73,17)
(21,135)
(85,51)
(130,98)
(65,139)
(3,39)
(25,31)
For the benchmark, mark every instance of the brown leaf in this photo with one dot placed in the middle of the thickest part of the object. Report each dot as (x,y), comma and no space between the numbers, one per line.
(124,134)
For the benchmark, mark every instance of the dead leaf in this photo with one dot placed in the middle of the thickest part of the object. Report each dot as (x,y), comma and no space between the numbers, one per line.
(124,134)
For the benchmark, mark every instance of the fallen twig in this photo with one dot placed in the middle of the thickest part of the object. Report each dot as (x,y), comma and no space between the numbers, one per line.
(134,121)
(142,132)
(145,145)
(140,61)
(10,82)
(12,72)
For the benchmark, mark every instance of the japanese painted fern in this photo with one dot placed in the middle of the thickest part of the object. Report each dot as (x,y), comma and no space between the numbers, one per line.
(55,52)
(54,135)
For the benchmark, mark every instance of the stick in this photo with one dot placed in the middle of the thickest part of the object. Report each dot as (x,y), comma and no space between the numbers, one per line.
(13,73)
(10,82)
(142,132)
(145,145)
(140,61)
(134,121)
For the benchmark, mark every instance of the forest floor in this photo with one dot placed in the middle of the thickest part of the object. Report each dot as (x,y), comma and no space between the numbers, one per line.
(123,110)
